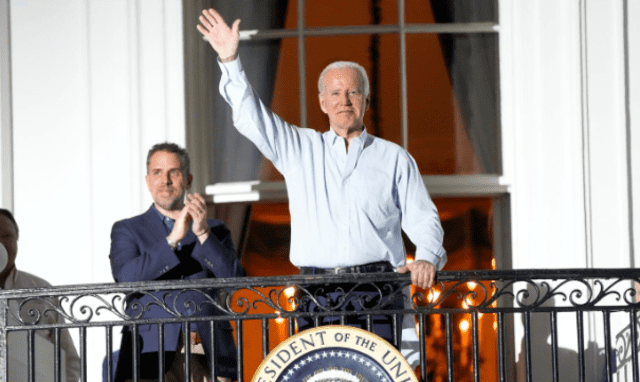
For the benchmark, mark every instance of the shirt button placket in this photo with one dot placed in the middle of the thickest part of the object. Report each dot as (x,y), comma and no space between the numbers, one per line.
(346,216)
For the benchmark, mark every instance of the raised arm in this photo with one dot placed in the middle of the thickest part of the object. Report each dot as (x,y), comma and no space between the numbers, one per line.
(279,141)
(223,39)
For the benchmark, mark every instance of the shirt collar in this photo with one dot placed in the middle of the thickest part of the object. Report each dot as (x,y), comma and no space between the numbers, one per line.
(332,136)
(162,217)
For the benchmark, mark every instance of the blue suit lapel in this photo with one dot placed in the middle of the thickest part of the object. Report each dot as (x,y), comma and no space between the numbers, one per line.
(153,223)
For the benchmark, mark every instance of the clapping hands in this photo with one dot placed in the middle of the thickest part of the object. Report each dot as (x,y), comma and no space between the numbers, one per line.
(194,210)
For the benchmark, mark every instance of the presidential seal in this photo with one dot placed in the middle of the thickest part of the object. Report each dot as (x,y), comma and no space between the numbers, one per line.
(334,354)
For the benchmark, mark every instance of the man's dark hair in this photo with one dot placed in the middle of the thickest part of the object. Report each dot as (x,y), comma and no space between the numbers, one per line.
(185,163)
(9,216)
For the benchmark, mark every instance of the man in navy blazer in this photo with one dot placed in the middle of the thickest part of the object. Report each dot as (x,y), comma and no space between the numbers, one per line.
(173,240)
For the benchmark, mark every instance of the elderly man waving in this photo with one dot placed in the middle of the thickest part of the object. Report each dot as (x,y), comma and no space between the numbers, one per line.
(350,193)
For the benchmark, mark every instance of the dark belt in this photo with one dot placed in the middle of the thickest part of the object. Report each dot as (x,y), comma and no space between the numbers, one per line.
(378,266)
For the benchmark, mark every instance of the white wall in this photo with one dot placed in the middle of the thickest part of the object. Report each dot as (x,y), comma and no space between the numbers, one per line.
(95,84)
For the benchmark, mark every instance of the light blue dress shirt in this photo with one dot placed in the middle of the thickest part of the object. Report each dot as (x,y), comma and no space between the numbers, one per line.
(347,207)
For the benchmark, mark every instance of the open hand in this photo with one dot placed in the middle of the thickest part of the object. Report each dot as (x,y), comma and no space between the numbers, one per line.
(197,208)
(423,273)
(223,39)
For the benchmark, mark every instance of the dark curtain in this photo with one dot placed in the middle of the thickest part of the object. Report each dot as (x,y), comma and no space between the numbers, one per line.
(472,62)
(234,157)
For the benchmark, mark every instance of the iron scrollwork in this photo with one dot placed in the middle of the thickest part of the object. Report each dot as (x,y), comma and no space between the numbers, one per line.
(486,291)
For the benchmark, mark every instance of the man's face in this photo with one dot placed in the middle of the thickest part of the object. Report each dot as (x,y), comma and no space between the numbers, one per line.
(166,182)
(9,238)
(342,99)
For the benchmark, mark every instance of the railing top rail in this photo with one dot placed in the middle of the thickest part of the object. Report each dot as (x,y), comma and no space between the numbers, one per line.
(445,276)
(246,298)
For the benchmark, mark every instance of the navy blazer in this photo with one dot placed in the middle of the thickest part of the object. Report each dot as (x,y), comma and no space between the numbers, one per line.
(139,252)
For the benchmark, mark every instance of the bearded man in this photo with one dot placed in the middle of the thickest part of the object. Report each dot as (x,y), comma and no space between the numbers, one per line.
(173,240)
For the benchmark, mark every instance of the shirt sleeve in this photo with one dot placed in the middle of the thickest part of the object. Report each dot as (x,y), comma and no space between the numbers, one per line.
(420,219)
(277,140)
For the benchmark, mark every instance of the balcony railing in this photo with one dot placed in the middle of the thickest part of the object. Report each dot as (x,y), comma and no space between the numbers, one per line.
(566,323)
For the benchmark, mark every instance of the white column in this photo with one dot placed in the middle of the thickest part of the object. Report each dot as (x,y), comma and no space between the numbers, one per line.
(565,125)
(544,125)
(6,129)
(633,103)
(607,153)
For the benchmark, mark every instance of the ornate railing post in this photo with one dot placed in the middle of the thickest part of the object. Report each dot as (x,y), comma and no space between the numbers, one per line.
(3,338)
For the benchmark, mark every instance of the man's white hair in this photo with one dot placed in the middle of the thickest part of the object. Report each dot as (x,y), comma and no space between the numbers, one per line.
(362,74)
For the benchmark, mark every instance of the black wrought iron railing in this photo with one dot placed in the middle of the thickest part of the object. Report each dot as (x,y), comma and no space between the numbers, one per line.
(526,325)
